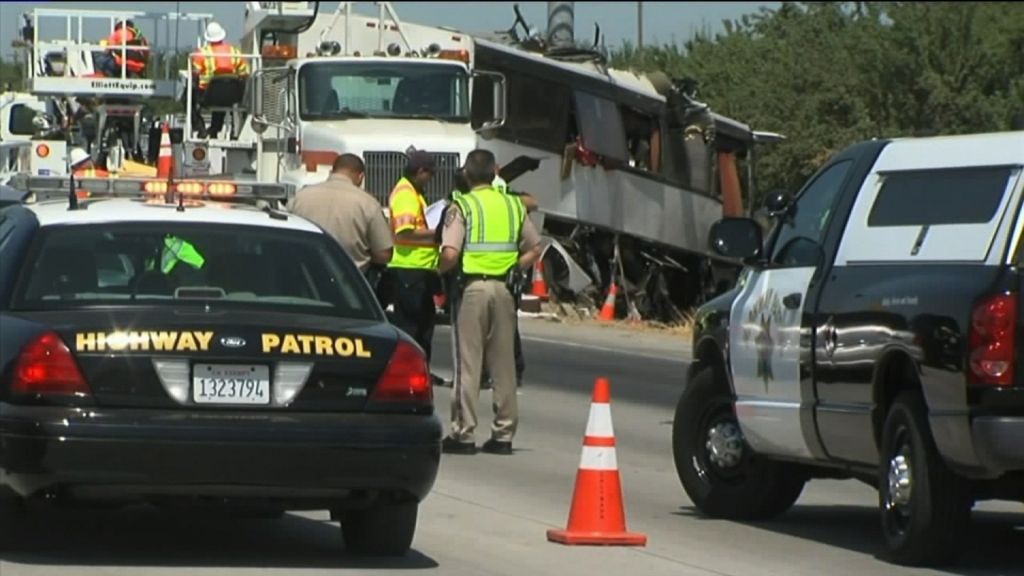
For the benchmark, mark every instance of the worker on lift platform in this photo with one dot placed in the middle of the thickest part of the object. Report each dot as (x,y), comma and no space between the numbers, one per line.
(82,165)
(134,61)
(217,59)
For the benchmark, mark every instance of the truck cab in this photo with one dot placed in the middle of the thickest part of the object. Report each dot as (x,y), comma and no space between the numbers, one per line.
(371,86)
(876,335)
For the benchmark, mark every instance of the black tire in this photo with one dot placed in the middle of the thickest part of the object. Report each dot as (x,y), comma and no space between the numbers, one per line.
(754,489)
(12,520)
(383,529)
(929,530)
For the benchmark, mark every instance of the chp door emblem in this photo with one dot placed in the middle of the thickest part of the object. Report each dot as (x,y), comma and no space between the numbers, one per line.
(762,327)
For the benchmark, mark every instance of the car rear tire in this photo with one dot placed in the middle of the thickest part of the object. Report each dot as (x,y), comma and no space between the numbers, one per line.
(12,518)
(925,506)
(718,470)
(384,529)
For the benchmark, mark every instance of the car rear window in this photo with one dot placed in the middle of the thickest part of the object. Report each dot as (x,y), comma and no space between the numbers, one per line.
(233,266)
(940,197)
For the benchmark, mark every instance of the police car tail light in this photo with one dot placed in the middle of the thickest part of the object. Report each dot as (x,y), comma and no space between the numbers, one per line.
(406,378)
(993,341)
(46,366)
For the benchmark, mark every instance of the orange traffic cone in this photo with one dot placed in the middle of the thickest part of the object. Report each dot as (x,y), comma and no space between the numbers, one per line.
(165,161)
(598,516)
(607,313)
(439,300)
(540,286)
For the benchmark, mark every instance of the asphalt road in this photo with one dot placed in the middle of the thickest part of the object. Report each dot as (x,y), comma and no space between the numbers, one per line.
(488,514)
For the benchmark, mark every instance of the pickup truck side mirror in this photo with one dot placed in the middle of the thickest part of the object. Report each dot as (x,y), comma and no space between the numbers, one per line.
(739,238)
(498,92)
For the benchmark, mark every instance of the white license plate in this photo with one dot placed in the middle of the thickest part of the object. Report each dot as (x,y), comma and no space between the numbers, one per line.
(230,384)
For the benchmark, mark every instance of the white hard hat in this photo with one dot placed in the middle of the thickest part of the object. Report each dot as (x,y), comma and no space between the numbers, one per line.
(79,156)
(215,32)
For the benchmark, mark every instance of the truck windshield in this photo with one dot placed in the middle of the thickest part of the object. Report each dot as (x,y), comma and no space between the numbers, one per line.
(381,89)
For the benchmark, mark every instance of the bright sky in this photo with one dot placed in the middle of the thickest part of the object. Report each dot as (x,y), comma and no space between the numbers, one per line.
(663,21)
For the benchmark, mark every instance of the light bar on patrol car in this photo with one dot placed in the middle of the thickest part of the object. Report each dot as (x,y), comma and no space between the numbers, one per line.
(50,187)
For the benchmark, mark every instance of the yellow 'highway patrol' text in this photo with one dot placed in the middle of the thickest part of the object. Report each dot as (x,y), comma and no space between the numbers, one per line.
(139,340)
(316,345)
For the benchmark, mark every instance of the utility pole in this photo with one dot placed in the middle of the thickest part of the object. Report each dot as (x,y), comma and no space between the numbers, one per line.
(639,24)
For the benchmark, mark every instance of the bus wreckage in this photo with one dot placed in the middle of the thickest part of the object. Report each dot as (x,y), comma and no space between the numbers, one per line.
(630,169)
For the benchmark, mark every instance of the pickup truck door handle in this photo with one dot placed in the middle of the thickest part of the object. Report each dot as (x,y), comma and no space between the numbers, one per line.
(829,337)
(792,301)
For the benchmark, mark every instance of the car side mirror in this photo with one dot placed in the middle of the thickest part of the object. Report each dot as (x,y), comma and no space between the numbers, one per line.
(778,203)
(739,238)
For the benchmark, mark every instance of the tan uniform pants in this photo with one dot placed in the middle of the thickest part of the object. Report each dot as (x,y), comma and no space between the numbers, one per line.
(484,335)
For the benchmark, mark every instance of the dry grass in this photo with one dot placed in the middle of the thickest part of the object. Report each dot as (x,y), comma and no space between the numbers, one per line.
(570,314)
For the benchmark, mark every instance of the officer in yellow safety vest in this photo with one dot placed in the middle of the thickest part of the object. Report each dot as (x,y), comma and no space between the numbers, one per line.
(530,203)
(413,267)
(487,237)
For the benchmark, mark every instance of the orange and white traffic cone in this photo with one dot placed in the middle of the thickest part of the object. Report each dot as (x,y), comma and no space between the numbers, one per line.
(165,161)
(598,515)
(540,286)
(439,300)
(607,313)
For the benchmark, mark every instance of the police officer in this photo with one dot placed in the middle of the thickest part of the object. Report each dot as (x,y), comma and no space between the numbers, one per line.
(486,236)
(413,267)
(462,187)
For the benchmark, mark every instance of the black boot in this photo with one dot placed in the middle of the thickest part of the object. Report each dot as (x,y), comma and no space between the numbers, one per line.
(452,446)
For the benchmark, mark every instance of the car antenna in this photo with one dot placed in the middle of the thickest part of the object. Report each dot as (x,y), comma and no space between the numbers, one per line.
(181,202)
(72,194)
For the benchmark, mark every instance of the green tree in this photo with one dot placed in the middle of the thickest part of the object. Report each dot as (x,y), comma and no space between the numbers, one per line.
(827,74)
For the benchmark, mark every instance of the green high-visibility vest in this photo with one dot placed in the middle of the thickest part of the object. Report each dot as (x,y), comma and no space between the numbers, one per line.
(177,250)
(494,222)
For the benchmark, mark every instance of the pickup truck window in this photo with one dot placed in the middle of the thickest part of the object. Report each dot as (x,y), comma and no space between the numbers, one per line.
(813,211)
(940,197)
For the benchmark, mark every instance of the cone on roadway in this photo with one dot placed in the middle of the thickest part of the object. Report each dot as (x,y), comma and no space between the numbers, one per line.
(165,161)
(597,516)
(607,313)
(540,286)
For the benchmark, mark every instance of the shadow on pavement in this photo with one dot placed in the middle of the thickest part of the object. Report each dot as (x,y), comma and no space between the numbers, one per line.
(994,548)
(147,538)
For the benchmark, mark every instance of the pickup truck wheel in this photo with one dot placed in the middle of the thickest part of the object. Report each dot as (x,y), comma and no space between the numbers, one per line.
(925,506)
(384,529)
(720,473)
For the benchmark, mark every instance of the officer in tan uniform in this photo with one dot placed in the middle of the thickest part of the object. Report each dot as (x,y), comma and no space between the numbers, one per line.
(486,237)
(348,213)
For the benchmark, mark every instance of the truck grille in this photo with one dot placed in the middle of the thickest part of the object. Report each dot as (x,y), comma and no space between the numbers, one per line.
(383,169)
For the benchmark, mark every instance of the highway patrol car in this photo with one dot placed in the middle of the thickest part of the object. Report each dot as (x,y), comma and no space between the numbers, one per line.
(170,344)
(876,334)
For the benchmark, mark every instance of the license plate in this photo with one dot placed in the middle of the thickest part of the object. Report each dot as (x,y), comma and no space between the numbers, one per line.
(230,384)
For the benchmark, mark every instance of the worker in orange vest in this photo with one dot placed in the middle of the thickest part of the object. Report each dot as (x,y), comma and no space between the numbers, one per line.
(134,61)
(217,58)
(82,165)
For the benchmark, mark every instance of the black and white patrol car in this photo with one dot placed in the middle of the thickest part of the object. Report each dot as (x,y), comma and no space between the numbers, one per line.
(255,370)
(875,334)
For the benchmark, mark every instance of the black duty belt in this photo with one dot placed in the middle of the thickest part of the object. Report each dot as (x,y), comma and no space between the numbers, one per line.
(474,277)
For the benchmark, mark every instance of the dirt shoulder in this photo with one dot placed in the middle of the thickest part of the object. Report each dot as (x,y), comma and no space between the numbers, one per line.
(670,342)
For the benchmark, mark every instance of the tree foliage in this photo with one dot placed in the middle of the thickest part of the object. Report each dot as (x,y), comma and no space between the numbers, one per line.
(827,74)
